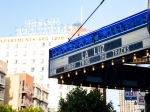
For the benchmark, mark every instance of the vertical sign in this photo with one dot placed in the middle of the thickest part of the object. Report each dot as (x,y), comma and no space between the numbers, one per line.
(140,98)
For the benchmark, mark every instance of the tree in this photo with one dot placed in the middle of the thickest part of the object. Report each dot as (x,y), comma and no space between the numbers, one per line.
(6,108)
(31,109)
(78,100)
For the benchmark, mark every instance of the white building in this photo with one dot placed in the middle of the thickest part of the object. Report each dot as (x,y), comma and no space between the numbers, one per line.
(30,54)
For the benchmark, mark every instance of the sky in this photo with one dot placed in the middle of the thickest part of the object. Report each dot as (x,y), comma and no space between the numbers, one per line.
(13,13)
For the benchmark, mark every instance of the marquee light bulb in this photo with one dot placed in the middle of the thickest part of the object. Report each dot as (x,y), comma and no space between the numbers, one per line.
(147,53)
(134,56)
(61,77)
(106,87)
(98,86)
(123,60)
(84,70)
(131,89)
(68,74)
(123,88)
(93,68)
(112,63)
(102,65)
(76,73)
(146,91)
(139,90)
(115,88)
(90,85)
(81,85)
(62,81)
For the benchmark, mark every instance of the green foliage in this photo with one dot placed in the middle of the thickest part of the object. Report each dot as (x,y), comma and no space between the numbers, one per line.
(77,100)
(6,108)
(31,109)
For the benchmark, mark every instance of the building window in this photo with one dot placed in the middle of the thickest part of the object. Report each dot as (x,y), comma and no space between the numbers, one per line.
(7,54)
(43,44)
(32,69)
(33,61)
(33,52)
(47,85)
(15,61)
(25,45)
(16,53)
(42,60)
(6,61)
(46,96)
(7,46)
(15,69)
(23,69)
(19,96)
(49,43)
(42,69)
(16,45)
(20,82)
(42,52)
(41,77)
(24,61)
(24,53)
(60,94)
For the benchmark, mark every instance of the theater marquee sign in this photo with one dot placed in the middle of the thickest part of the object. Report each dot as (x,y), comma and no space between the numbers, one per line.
(107,50)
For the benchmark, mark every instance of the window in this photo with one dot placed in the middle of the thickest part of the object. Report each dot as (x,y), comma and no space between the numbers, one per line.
(16,53)
(33,61)
(46,96)
(23,69)
(41,77)
(15,69)
(47,85)
(7,54)
(32,69)
(15,61)
(20,82)
(42,60)
(24,61)
(19,95)
(49,43)
(24,53)
(16,45)
(33,52)
(42,52)
(7,46)
(43,44)
(42,69)
(6,61)
(25,45)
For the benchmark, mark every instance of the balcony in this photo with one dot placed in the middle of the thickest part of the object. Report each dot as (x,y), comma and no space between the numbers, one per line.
(36,86)
(2,82)
(24,89)
(36,96)
(23,103)
(2,70)
(1,95)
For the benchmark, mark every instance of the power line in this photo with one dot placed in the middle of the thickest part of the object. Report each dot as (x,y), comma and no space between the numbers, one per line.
(86,20)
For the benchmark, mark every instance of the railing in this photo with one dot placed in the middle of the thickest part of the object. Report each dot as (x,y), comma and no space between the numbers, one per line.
(1,95)
(23,102)
(126,25)
(2,81)
(24,89)
(35,95)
